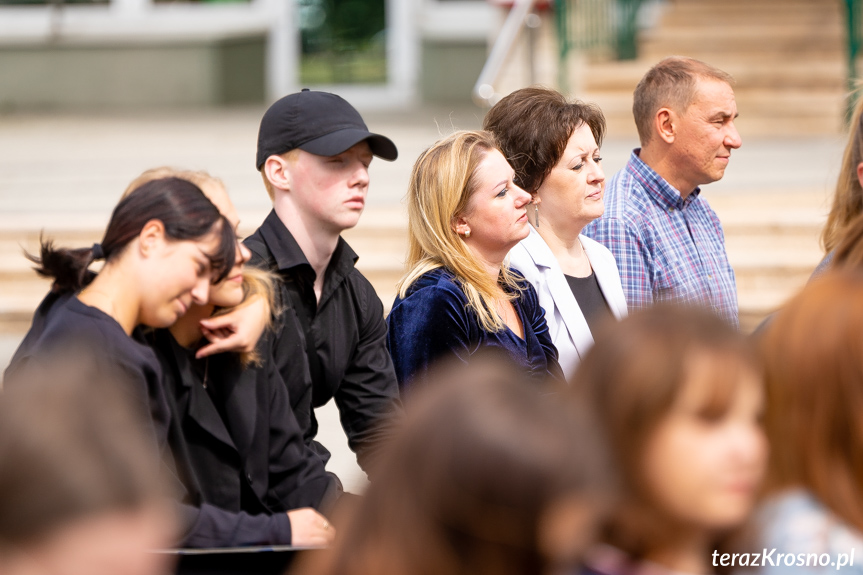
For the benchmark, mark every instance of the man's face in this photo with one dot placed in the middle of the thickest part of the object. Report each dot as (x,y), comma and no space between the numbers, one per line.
(705,135)
(330,191)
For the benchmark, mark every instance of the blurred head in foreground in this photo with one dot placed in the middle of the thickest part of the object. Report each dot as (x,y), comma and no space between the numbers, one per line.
(847,201)
(487,476)
(680,397)
(79,486)
(813,353)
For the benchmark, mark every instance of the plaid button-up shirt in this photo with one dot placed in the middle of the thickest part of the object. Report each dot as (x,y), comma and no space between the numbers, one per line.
(667,248)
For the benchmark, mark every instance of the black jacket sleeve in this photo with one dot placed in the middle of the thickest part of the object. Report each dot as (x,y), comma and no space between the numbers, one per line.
(209,526)
(368,396)
(296,474)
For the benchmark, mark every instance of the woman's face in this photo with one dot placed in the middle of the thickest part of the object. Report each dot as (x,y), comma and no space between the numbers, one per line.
(228,292)
(572,193)
(173,275)
(496,214)
(704,472)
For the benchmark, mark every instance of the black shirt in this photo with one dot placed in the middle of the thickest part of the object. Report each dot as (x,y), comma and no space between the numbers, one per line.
(64,325)
(590,300)
(349,341)
(236,441)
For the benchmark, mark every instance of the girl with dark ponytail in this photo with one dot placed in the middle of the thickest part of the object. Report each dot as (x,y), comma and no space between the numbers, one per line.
(162,248)
(175,205)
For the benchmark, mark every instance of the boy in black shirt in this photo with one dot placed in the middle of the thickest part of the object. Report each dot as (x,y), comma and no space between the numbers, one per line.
(314,151)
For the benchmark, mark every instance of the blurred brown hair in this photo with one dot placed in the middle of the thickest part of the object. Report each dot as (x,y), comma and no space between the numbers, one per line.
(671,83)
(849,250)
(474,480)
(71,447)
(813,353)
(848,197)
(533,126)
(631,379)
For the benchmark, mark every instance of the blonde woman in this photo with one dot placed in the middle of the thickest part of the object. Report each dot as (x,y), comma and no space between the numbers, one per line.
(458,296)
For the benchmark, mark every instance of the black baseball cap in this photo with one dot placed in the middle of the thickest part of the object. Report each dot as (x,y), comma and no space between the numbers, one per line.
(319,123)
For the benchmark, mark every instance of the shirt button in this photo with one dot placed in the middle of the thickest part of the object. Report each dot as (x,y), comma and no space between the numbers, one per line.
(249,477)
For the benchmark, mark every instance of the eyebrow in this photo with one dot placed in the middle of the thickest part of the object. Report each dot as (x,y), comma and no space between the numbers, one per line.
(725,116)
(585,151)
(499,184)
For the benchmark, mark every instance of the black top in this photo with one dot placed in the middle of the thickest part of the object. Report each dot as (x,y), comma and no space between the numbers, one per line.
(349,341)
(236,442)
(434,321)
(590,300)
(65,326)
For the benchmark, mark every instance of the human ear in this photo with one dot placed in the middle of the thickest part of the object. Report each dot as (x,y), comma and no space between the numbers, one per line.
(152,235)
(460,226)
(860,173)
(277,172)
(664,123)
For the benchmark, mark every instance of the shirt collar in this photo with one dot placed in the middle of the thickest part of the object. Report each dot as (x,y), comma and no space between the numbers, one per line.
(538,249)
(288,254)
(664,193)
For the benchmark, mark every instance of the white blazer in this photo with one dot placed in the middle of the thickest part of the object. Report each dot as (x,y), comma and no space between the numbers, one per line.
(566,324)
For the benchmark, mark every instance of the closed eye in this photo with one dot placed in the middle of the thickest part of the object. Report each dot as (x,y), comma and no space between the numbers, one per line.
(502,193)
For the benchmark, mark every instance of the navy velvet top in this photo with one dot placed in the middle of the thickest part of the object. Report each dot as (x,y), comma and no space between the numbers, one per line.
(433,321)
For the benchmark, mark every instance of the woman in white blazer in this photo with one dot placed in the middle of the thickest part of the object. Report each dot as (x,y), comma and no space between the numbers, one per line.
(553,145)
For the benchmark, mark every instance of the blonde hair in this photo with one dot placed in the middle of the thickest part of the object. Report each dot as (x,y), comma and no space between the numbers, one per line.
(289,156)
(198,177)
(441,183)
(262,283)
(848,197)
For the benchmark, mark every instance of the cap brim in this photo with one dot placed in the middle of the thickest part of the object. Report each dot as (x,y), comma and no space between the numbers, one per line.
(337,142)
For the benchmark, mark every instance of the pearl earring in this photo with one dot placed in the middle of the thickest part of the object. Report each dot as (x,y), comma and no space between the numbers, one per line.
(467,233)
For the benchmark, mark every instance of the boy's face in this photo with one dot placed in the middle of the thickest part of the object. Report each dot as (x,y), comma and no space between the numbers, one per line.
(331,190)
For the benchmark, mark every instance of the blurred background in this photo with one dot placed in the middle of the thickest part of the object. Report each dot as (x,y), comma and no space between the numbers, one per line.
(93,92)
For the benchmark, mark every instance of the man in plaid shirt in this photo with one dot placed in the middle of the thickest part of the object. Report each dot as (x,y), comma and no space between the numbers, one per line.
(668,242)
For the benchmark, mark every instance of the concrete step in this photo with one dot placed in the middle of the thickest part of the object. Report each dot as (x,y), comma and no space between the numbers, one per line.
(710,49)
(828,32)
(772,242)
(380,239)
(800,75)
(764,14)
(762,112)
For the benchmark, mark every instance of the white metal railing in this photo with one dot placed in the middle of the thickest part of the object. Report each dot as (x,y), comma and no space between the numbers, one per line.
(520,15)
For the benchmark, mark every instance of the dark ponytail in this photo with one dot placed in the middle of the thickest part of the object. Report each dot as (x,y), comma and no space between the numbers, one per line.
(180,205)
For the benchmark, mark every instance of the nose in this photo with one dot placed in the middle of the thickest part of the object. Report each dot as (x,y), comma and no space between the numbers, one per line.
(360,176)
(732,137)
(522,198)
(201,290)
(597,176)
(749,445)
(243,254)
